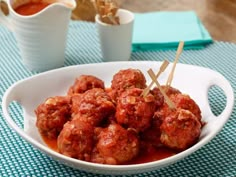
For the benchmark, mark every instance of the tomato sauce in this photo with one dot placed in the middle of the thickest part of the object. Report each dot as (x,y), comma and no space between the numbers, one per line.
(51,143)
(150,154)
(31,8)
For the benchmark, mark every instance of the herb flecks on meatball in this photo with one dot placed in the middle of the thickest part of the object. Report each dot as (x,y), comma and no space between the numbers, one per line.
(84,83)
(94,105)
(115,145)
(76,140)
(134,110)
(52,115)
(182,101)
(180,130)
(125,79)
(186,102)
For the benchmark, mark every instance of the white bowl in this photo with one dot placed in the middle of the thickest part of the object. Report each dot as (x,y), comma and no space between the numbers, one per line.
(193,80)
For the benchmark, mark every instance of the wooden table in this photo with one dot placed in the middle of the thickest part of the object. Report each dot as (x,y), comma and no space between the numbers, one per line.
(218,16)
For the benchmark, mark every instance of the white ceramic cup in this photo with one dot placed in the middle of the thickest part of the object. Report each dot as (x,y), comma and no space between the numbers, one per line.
(116,40)
(41,37)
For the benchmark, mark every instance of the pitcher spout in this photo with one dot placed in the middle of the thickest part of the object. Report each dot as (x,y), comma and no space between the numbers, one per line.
(70,4)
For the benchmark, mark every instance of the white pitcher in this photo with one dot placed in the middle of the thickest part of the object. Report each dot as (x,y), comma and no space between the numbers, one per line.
(41,37)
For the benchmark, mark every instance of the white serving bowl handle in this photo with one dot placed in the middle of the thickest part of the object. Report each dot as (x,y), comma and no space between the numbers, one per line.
(216,79)
(12,94)
(222,83)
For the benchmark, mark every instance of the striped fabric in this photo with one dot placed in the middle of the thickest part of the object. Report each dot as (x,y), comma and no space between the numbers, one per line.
(18,158)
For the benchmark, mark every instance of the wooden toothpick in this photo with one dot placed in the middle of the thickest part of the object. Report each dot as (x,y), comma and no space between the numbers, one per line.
(161,69)
(178,53)
(167,99)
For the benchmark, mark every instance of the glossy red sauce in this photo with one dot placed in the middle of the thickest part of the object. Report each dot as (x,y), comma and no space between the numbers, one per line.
(31,8)
(148,155)
(152,154)
(51,143)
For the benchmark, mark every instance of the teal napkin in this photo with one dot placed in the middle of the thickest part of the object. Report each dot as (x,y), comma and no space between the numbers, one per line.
(164,30)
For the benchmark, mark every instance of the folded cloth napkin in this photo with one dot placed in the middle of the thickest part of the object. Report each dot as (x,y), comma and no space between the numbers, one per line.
(164,30)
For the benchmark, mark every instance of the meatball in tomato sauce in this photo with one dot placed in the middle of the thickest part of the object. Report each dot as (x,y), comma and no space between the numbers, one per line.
(170,90)
(134,110)
(125,79)
(95,105)
(75,103)
(180,130)
(151,136)
(182,101)
(52,115)
(115,145)
(84,83)
(159,98)
(76,140)
(186,102)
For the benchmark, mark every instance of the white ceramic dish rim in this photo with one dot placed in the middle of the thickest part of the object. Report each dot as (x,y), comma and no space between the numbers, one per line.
(218,80)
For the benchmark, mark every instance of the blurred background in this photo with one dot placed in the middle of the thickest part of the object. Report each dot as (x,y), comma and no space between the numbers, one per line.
(218,16)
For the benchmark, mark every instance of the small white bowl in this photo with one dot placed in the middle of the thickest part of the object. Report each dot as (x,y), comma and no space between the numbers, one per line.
(193,80)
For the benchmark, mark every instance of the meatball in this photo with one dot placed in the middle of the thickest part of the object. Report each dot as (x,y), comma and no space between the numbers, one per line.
(134,110)
(75,102)
(170,90)
(180,130)
(151,136)
(162,112)
(94,105)
(182,101)
(124,79)
(186,102)
(84,83)
(52,115)
(76,140)
(159,98)
(115,145)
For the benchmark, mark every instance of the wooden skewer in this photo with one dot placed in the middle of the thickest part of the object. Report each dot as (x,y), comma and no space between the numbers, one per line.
(167,99)
(112,19)
(107,8)
(117,19)
(162,69)
(107,11)
(105,19)
(178,53)
(113,10)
